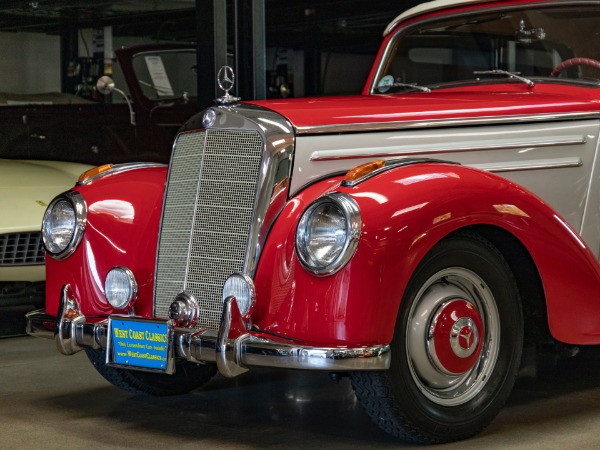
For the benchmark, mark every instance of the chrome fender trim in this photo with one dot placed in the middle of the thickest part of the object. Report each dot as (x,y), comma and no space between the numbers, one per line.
(233,348)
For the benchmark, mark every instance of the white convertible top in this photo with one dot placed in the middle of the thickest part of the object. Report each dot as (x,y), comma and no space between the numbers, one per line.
(434,6)
(428,7)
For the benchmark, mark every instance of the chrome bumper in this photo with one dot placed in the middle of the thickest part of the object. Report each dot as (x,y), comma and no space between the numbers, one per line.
(232,348)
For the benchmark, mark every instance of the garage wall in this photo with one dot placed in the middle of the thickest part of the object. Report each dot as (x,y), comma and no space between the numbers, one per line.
(29,63)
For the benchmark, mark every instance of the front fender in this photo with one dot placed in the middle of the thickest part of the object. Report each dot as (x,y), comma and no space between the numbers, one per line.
(123,218)
(405,212)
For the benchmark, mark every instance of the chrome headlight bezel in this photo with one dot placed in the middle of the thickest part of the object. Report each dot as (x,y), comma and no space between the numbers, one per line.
(348,210)
(75,201)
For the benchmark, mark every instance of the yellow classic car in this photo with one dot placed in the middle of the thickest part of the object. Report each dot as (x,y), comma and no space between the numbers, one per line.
(26,188)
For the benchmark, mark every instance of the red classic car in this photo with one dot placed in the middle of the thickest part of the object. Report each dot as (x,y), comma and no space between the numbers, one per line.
(414,238)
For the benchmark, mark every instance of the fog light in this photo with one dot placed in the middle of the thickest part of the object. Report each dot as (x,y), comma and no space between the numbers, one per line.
(120,287)
(241,287)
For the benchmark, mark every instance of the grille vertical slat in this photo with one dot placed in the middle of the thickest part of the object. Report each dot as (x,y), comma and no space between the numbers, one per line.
(21,249)
(207,217)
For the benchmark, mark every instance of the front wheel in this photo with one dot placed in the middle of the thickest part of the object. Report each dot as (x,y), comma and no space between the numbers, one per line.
(186,378)
(456,348)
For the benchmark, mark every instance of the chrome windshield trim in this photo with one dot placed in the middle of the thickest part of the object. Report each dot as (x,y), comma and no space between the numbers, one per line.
(118,168)
(442,123)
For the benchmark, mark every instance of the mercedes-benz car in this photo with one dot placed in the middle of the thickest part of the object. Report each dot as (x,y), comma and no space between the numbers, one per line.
(413,238)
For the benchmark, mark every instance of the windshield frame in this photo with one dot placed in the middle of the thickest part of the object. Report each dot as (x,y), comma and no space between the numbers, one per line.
(126,56)
(399,31)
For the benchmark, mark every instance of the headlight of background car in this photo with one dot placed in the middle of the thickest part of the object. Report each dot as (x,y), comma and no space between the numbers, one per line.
(63,224)
(328,233)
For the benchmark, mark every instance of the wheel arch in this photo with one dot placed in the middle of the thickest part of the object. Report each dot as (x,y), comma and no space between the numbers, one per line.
(558,275)
(527,277)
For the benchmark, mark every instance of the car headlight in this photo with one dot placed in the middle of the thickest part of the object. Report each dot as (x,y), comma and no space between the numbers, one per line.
(328,233)
(241,287)
(63,224)
(120,287)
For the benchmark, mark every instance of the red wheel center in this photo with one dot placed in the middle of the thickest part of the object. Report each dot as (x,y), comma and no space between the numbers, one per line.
(457,337)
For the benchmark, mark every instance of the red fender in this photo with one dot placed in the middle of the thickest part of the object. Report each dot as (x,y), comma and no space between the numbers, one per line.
(124,211)
(405,212)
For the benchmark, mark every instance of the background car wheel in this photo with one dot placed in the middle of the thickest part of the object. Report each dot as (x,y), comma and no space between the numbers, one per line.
(186,378)
(456,348)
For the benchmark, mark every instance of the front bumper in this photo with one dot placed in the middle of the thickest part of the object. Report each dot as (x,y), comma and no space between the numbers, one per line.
(233,348)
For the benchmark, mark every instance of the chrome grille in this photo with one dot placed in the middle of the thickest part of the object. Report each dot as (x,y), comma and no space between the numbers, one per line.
(21,249)
(206,218)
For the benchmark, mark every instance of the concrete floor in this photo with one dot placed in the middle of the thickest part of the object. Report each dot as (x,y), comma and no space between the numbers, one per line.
(50,401)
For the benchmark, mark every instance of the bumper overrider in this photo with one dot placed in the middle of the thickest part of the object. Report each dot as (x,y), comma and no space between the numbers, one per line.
(233,348)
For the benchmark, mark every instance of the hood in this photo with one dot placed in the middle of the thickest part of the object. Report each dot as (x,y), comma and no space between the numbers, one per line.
(27,187)
(307,115)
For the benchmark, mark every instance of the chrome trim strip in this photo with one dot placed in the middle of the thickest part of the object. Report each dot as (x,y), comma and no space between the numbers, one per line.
(375,152)
(558,163)
(417,124)
(233,354)
(117,168)
(262,353)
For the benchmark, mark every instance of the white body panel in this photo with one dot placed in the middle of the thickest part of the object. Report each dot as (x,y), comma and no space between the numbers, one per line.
(555,160)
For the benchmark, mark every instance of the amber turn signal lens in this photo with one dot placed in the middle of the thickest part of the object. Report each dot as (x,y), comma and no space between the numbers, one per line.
(363,170)
(93,172)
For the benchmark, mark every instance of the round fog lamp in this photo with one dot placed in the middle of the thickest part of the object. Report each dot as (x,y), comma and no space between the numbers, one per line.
(241,287)
(120,287)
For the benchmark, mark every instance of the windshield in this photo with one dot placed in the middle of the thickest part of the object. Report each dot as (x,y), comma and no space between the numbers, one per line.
(165,75)
(530,43)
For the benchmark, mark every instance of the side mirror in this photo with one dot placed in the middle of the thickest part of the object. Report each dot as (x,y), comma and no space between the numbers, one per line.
(105,85)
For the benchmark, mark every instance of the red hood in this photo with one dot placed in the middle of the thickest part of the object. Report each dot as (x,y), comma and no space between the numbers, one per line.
(459,103)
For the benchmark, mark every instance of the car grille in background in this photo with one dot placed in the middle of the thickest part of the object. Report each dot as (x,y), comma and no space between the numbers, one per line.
(206,218)
(21,249)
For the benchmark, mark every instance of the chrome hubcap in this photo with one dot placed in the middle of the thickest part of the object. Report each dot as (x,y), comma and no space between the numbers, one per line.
(453,336)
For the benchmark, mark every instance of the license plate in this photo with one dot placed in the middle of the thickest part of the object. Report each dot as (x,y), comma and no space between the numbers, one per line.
(140,344)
